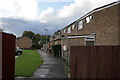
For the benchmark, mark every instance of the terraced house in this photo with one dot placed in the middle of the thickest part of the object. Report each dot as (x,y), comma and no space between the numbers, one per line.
(98,27)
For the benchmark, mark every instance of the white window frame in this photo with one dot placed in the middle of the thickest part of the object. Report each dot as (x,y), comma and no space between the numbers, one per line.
(73,27)
(90,39)
(64,31)
(91,17)
(69,29)
(88,20)
(80,25)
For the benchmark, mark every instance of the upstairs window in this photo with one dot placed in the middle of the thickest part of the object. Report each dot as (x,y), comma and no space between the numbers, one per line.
(88,19)
(91,17)
(69,30)
(64,31)
(80,25)
(73,26)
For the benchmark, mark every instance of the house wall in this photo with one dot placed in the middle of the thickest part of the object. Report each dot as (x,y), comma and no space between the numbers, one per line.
(105,24)
(76,42)
(51,43)
(118,24)
(88,28)
(68,43)
(51,38)
(64,52)
(73,31)
(57,42)
(24,43)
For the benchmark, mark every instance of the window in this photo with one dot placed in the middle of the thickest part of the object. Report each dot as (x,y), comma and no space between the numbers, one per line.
(91,17)
(73,26)
(69,29)
(64,31)
(88,19)
(80,25)
(64,48)
(90,41)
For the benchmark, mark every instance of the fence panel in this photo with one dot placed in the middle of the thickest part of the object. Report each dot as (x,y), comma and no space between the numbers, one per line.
(73,60)
(8,56)
(95,61)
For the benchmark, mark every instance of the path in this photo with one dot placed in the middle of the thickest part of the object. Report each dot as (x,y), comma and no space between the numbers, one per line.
(51,68)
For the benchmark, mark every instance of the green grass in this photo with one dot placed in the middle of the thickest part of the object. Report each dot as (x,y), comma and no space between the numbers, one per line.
(27,63)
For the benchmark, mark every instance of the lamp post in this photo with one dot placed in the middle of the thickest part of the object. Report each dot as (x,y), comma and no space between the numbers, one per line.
(46,40)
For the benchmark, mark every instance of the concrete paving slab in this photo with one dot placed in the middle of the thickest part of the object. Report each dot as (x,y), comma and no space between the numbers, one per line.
(41,72)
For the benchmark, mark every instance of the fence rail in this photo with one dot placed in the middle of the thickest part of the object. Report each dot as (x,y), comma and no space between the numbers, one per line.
(95,62)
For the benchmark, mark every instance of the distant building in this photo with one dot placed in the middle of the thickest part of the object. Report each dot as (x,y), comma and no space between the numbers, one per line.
(24,42)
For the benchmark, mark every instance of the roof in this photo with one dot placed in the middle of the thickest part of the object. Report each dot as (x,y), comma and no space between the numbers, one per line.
(24,37)
(93,11)
(100,8)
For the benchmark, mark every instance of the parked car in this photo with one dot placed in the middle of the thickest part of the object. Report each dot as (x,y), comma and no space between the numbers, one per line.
(18,51)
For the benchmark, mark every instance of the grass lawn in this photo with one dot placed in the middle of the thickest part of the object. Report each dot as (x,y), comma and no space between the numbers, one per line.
(27,63)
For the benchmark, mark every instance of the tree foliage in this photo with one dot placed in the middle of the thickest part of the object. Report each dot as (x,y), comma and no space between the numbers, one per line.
(29,34)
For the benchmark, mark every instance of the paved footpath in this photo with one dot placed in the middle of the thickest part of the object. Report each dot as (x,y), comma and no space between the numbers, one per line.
(51,68)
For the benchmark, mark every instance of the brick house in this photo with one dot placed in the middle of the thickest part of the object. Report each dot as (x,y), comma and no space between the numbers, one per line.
(24,42)
(57,38)
(98,27)
(54,40)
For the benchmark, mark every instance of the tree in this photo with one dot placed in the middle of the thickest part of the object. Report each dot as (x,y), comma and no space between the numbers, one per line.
(37,38)
(29,34)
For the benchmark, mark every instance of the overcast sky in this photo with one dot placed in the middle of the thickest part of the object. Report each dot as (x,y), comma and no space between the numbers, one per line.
(35,15)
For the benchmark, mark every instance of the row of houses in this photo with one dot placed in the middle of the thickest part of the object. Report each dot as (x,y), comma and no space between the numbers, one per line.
(97,28)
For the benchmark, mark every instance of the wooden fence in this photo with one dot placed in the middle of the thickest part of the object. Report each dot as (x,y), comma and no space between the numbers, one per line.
(93,62)
(8,56)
